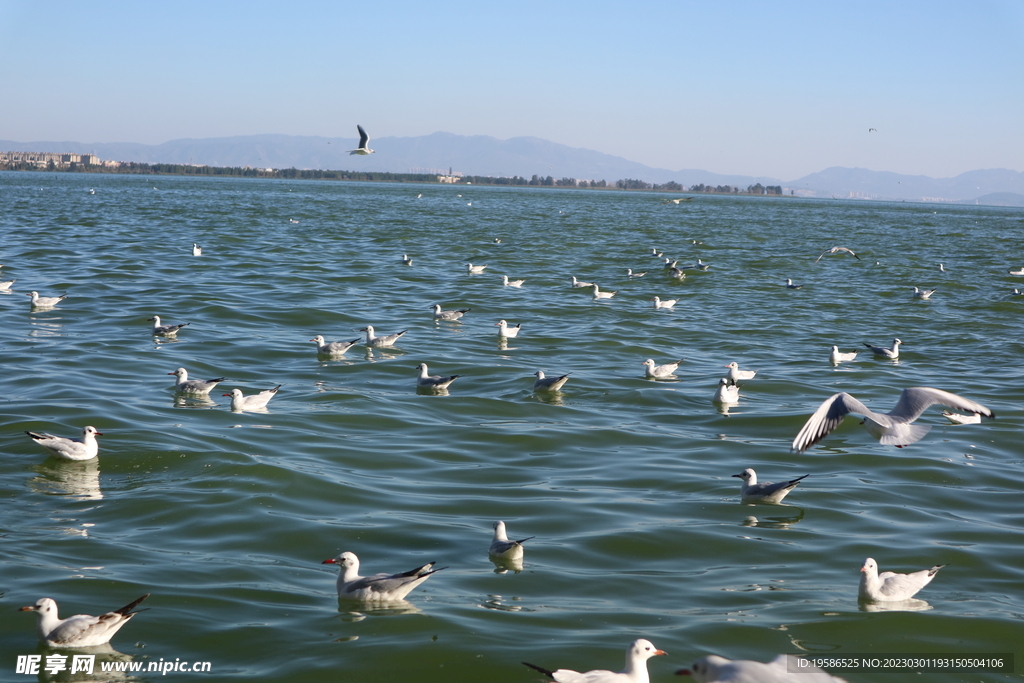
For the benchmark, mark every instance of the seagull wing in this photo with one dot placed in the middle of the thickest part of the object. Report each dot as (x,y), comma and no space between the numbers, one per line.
(827,251)
(364,139)
(826,418)
(915,400)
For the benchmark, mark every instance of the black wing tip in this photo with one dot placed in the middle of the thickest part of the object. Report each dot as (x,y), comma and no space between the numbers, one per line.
(546,672)
(127,609)
(524,540)
(935,570)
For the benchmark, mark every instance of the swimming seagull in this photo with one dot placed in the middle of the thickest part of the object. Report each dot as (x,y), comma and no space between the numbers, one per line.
(364,139)
(406,259)
(65,448)
(660,371)
(432,382)
(579,283)
(45,301)
(630,273)
(165,330)
(5,286)
(81,630)
(475,269)
(783,669)
(766,492)
(184,385)
(942,268)
(637,654)
(507,332)
(923,293)
(726,393)
(511,283)
(196,250)
(378,587)
(385,340)
(240,403)
(891,429)
(677,273)
(790,285)
(891,354)
(668,303)
(502,547)
(736,374)
(544,383)
(835,250)
(449,315)
(836,357)
(331,348)
(890,586)
(1019,271)
(598,294)
(957,418)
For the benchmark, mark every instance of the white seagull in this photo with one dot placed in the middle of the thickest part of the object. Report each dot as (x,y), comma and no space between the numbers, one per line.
(196,250)
(45,301)
(406,259)
(735,373)
(665,371)
(677,274)
(580,283)
(637,654)
(507,332)
(598,294)
(184,385)
(726,393)
(894,428)
(544,383)
(890,586)
(240,403)
(378,587)
(332,348)
(923,293)
(790,285)
(765,492)
(432,382)
(449,315)
(364,139)
(502,547)
(835,250)
(165,330)
(891,354)
(836,356)
(1019,271)
(783,669)
(475,269)
(66,448)
(385,340)
(942,268)
(630,273)
(668,303)
(81,630)
(511,283)
(5,286)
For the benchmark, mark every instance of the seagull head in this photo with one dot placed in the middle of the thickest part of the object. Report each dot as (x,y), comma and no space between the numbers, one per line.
(344,560)
(746,475)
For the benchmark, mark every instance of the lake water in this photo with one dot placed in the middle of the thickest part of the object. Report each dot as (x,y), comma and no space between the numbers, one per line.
(624,482)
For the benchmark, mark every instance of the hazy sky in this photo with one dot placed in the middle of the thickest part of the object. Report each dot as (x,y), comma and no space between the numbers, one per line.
(779,88)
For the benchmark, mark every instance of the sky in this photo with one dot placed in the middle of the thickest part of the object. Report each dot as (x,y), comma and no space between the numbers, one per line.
(779,89)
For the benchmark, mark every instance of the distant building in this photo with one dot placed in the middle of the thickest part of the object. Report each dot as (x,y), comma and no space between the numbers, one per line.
(43,159)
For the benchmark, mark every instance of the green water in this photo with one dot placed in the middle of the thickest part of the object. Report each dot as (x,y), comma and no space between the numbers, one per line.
(625,482)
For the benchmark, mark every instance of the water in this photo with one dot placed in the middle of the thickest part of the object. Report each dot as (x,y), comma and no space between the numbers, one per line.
(625,482)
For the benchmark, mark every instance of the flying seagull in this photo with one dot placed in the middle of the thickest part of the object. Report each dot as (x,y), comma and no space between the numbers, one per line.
(833,250)
(364,139)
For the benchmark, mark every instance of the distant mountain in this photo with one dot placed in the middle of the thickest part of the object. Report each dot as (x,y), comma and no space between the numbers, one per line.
(525,156)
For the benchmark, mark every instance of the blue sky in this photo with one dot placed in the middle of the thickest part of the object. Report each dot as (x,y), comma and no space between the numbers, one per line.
(779,89)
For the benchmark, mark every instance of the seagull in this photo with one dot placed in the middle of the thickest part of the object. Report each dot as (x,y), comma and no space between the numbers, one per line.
(637,655)
(668,303)
(294,221)
(45,301)
(783,669)
(362,149)
(790,285)
(676,201)
(578,283)
(598,294)
(942,268)
(81,630)
(669,263)
(165,330)
(872,130)
(196,250)
(549,383)
(384,340)
(699,265)
(449,315)
(379,587)
(836,357)
(1015,292)
(475,269)
(92,190)
(655,253)
(65,448)
(736,374)
(957,418)
(511,283)
(184,385)
(406,260)
(923,293)
(507,332)
(240,403)
(677,273)
(726,393)
(891,429)
(432,382)
(502,547)
(1019,271)
(660,371)
(6,285)
(835,250)
(766,492)
(630,273)
(891,354)
(890,586)
(497,240)
(332,348)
